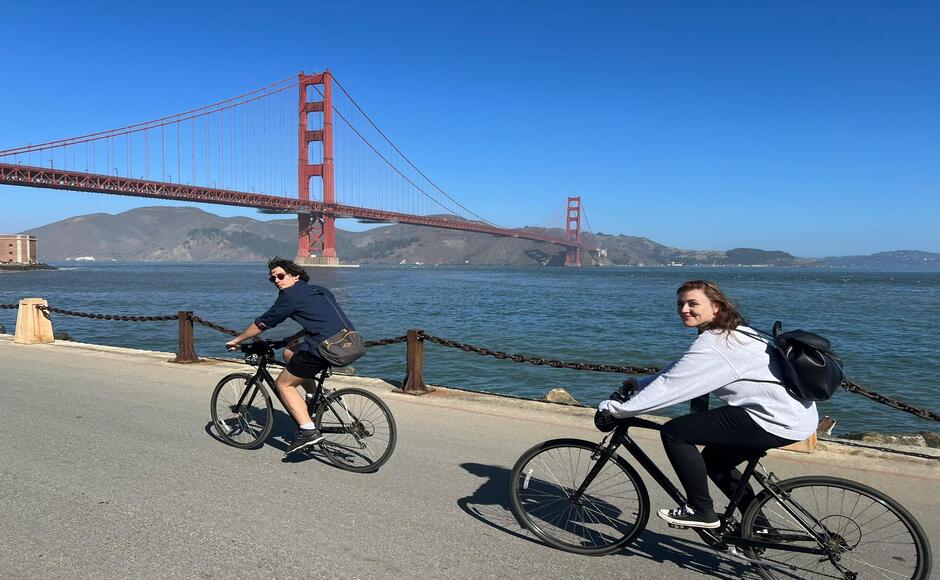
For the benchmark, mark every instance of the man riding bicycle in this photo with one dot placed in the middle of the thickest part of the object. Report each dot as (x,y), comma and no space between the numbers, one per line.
(315,309)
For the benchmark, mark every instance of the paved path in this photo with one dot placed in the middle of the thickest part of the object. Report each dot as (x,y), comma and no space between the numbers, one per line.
(107,471)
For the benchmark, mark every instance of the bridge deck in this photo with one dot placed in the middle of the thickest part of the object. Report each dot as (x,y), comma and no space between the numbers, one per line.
(108,472)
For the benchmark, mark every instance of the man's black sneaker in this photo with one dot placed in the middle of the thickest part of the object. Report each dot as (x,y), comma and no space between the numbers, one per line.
(305,438)
(685,516)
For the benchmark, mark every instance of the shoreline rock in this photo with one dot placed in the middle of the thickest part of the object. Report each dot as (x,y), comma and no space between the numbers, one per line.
(561,396)
(918,439)
(25,267)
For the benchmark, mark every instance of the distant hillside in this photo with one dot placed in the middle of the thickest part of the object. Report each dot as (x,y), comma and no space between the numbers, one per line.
(186,234)
(897,260)
(180,234)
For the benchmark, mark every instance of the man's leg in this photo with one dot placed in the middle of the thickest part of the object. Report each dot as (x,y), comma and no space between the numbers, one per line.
(287,391)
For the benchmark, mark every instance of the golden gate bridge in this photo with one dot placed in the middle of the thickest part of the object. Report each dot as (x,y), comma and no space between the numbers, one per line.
(242,152)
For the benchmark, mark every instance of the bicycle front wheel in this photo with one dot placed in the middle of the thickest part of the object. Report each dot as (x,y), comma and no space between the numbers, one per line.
(612,510)
(863,532)
(242,411)
(359,430)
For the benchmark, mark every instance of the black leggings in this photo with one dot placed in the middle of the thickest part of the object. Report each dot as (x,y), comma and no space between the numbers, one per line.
(730,437)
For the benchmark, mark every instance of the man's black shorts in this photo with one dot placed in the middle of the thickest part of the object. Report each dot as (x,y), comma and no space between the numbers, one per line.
(305,364)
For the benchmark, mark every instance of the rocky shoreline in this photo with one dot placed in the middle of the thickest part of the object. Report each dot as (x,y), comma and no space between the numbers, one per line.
(25,267)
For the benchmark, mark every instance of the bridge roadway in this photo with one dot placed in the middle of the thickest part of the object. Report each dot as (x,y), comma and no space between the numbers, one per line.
(107,471)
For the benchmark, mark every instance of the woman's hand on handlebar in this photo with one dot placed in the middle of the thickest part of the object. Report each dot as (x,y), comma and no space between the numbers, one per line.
(232,345)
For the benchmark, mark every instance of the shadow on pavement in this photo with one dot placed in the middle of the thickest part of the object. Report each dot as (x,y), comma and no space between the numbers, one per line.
(491,505)
(284,431)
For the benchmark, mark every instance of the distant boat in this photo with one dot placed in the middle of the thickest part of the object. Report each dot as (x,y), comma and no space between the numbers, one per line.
(81,259)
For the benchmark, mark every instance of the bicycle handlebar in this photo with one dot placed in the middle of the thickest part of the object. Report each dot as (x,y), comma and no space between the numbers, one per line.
(261,346)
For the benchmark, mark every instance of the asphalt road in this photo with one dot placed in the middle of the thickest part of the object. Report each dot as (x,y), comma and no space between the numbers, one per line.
(108,470)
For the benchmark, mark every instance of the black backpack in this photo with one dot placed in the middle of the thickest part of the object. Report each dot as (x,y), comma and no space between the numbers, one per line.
(811,370)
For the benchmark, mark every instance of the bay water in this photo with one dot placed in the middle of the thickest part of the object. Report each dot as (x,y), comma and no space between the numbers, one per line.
(883,324)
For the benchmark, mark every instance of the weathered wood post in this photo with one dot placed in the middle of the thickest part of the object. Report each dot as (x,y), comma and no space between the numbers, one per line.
(414,370)
(33,326)
(187,351)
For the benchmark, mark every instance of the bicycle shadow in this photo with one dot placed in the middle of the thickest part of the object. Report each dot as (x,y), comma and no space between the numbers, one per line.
(491,505)
(283,432)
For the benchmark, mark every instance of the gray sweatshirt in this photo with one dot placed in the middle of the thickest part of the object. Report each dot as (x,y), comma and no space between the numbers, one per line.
(730,366)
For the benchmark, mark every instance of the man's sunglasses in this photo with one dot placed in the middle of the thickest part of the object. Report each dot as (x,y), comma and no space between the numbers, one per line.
(277,276)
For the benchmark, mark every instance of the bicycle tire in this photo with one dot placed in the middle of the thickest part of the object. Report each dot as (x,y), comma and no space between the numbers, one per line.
(246,427)
(364,440)
(868,532)
(612,512)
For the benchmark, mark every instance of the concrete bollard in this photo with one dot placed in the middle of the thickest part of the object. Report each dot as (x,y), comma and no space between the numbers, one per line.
(805,446)
(33,326)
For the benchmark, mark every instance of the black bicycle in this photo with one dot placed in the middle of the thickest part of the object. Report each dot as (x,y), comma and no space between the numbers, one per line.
(583,497)
(359,429)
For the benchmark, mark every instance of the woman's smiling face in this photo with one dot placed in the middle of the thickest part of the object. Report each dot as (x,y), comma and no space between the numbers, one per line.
(695,309)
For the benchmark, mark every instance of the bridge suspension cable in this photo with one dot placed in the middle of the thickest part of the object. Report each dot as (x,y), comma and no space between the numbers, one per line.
(466,211)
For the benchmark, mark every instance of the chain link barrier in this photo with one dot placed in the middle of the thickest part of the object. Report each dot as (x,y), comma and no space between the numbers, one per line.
(213,326)
(848,385)
(46,310)
(581,366)
(893,403)
(537,360)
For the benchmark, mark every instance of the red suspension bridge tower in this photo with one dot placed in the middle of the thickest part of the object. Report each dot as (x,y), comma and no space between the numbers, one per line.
(316,237)
(573,232)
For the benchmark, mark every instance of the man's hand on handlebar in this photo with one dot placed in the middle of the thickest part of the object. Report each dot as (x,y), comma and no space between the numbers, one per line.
(232,345)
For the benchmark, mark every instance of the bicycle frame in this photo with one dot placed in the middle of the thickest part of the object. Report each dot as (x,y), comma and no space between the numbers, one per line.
(263,374)
(722,535)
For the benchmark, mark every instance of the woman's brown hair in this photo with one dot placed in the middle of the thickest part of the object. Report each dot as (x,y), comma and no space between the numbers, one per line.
(727,318)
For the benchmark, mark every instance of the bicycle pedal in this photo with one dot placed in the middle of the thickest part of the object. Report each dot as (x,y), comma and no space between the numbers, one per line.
(677,527)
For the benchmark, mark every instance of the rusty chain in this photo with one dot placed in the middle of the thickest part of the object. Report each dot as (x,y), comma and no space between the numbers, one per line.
(213,326)
(846,384)
(520,358)
(46,310)
(893,403)
(384,341)
(537,360)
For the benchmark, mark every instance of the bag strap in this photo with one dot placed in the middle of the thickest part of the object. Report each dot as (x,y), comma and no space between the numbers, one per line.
(342,316)
(760,333)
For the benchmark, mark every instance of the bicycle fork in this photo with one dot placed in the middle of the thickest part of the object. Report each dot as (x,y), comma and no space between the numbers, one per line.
(600,457)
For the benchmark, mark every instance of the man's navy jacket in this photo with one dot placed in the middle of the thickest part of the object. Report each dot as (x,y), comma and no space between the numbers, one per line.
(313,307)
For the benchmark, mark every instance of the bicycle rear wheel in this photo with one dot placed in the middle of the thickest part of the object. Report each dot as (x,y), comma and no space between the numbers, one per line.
(611,512)
(359,430)
(242,411)
(865,532)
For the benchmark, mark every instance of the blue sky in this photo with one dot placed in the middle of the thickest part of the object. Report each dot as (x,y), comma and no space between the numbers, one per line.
(808,127)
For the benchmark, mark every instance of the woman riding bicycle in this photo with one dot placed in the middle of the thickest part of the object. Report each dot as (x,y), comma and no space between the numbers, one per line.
(315,309)
(739,370)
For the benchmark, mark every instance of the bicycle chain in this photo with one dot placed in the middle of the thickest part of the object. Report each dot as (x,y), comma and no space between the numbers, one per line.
(520,358)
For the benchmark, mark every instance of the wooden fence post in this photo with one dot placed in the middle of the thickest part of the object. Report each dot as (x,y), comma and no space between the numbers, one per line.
(187,351)
(414,371)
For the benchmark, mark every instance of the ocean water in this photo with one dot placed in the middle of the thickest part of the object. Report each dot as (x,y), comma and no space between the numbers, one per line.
(883,324)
